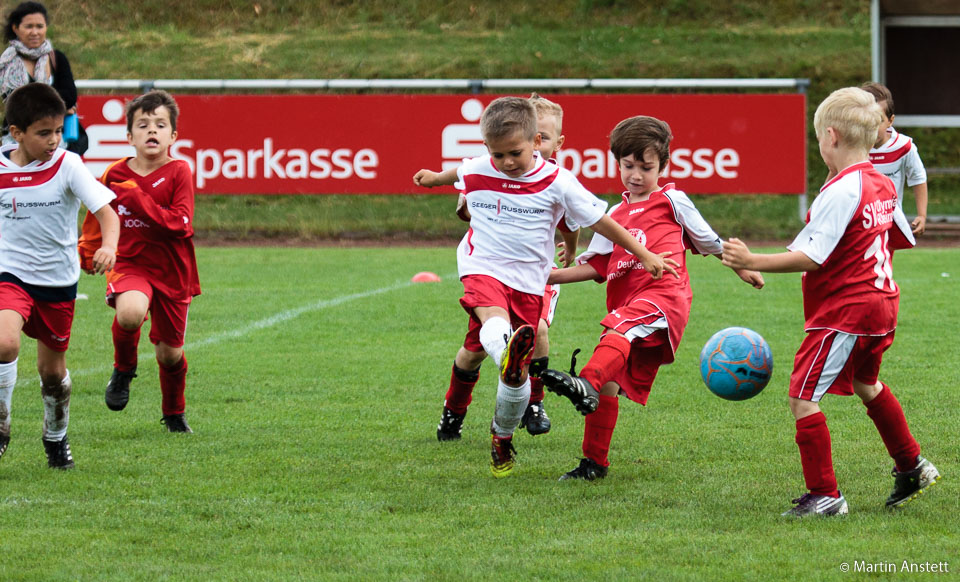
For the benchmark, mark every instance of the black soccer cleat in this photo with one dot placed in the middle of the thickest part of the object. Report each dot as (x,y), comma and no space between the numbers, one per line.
(176,423)
(588,470)
(4,443)
(810,504)
(535,419)
(908,485)
(118,389)
(58,454)
(451,425)
(584,396)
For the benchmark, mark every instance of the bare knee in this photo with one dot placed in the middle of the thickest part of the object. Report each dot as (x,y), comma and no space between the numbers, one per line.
(168,356)
(867,392)
(467,360)
(802,408)
(9,348)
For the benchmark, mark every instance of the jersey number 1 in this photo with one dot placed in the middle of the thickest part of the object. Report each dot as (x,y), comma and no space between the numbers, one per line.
(884,268)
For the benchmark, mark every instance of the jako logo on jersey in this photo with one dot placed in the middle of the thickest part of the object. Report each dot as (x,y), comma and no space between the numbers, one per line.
(158,182)
(122,210)
(22,179)
(636,211)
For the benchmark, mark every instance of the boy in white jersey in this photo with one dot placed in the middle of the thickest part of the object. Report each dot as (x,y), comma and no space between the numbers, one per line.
(462,381)
(895,156)
(516,200)
(850,303)
(41,189)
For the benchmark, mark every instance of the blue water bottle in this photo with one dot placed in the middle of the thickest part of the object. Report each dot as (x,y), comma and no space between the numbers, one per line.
(71,128)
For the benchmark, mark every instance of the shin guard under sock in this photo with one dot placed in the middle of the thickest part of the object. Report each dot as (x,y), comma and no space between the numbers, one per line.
(125,343)
(609,357)
(598,430)
(537,365)
(173,383)
(887,416)
(460,392)
(816,456)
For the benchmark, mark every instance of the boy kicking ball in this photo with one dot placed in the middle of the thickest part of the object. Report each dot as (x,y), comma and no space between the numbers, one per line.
(850,303)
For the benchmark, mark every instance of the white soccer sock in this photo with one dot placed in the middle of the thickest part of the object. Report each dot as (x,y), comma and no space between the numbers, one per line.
(493,337)
(56,412)
(511,403)
(8,379)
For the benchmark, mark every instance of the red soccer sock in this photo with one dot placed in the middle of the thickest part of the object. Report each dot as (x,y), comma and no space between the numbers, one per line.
(598,430)
(460,393)
(536,390)
(608,358)
(124,347)
(816,457)
(887,416)
(173,383)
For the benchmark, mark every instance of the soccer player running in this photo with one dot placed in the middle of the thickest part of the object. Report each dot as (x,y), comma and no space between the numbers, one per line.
(41,189)
(156,268)
(850,302)
(516,200)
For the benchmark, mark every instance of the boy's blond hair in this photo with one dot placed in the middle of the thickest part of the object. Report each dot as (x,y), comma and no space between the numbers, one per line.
(546,107)
(508,116)
(854,114)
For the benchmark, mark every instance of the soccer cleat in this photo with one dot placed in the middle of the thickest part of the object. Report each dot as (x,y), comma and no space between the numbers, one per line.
(58,454)
(588,470)
(584,396)
(4,442)
(517,354)
(908,485)
(535,419)
(176,423)
(502,454)
(451,425)
(811,504)
(118,389)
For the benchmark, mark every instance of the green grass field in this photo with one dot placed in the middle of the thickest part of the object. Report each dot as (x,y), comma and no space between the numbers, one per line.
(316,382)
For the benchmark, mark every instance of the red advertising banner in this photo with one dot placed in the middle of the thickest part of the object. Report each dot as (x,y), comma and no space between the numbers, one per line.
(373,144)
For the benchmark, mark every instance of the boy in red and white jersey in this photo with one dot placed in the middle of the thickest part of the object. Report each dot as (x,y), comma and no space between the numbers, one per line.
(41,189)
(462,381)
(516,200)
(647,316)
(156,268)
(850,303)
(895,156)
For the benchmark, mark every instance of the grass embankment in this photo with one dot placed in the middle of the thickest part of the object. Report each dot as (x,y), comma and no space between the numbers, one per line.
(827,43)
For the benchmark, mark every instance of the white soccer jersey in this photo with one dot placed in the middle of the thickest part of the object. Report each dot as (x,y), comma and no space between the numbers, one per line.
(39,205)
(513,220)
(899,160)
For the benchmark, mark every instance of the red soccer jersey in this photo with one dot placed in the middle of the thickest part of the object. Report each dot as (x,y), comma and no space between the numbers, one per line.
(666,221)
(156,226)
(851,228)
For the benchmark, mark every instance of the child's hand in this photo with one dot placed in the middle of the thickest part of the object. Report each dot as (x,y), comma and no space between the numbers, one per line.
(754,278)
(657,265)
(426,178)
(919,224)
(104,259)
(564,256)
(736,255)
(463,213)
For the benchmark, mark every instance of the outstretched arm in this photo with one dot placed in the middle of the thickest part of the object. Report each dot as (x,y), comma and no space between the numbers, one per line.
(429,178)
(752,278)
(568,251)
(583,272)
(736,255)
(653,263)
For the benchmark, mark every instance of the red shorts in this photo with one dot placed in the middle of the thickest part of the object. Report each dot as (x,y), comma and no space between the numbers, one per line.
(485,291)
(643,363)
(169,315)
(48,322)
(829,361)
(550,296)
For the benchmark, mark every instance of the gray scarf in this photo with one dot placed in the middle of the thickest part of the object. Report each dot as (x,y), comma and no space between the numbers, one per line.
(13,73)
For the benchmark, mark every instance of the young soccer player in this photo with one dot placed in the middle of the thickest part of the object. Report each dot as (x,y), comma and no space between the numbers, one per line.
(895,156)
(850,303)
(460,391)
(41,189)
(516,200)
(156,268)
(647,315)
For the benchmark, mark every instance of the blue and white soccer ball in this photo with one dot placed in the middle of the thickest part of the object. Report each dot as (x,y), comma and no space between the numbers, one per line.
(736,363)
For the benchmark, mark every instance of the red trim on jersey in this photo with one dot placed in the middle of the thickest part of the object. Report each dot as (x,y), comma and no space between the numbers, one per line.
(859,166)
(475,182)
(28,178)
(470,240)
(891,156)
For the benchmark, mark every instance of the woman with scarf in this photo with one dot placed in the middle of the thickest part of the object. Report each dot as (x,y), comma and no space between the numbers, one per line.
(30,57)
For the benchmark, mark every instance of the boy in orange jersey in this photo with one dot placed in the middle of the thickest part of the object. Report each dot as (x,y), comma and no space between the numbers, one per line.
(850,303)
(156,268)
(462,381)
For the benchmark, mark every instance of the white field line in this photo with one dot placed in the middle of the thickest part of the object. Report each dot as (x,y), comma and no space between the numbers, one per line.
(255,326)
